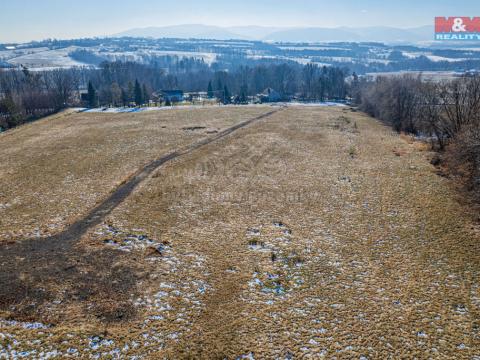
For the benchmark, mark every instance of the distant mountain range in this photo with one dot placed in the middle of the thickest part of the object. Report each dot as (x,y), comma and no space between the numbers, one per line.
(312,34)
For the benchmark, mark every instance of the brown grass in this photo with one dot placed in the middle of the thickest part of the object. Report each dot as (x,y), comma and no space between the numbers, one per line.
(373,256)
(54,170)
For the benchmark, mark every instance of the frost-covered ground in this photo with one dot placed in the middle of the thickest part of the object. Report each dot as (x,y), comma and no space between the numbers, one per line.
(47,59)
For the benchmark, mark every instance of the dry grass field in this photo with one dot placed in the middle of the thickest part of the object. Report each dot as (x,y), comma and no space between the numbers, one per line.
(312,232)
(56,169)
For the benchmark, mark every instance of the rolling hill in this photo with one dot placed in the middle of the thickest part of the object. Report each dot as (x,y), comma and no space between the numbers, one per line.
(310,34)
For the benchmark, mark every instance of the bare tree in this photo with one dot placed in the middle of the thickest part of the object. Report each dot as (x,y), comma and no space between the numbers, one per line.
(62,87)
(460,101)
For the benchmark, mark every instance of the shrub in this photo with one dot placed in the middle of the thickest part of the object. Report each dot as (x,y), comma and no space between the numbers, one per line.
(463,157)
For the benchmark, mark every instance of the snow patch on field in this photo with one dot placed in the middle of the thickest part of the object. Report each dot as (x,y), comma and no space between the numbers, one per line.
(118,110)
(46,60)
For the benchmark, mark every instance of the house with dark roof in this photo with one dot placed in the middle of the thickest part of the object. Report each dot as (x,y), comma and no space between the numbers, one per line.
(270,95)
(172,95)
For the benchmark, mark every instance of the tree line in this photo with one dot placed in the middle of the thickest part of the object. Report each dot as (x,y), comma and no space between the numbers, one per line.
(27,95)
(446,113)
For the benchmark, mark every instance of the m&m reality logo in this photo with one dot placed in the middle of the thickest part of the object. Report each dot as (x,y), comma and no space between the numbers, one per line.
(457,28)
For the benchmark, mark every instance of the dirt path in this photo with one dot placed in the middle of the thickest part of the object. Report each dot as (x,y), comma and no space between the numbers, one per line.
(317,233)
(28,265)
(64,166)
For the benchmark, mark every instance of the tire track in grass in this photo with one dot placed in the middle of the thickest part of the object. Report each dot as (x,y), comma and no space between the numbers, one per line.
(76,230)
(28,267)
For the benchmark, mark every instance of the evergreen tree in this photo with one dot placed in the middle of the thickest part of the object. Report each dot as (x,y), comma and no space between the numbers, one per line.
(138,94)
(91,96)
(9,108)
(25,71)
(219,85)
(130,92)
(146,97)
(124,98)
(210,90)
(227,98)
(243,94)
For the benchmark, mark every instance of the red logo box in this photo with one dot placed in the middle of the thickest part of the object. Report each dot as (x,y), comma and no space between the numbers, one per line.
(457,24)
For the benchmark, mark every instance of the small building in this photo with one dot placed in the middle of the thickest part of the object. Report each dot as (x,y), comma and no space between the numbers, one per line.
(83,95)
(172,95)
(196,96)
(270,95)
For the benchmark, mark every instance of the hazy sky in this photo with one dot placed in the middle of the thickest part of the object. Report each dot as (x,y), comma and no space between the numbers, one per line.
(24,20)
